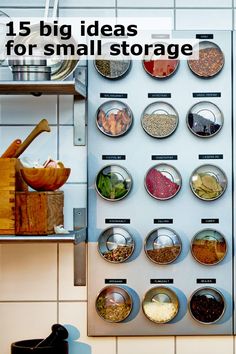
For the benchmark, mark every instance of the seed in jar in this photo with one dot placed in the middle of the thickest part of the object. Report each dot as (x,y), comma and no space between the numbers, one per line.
(112,68)
(119,254)
(159,125)
(115,312)
(210,62)
(164,255)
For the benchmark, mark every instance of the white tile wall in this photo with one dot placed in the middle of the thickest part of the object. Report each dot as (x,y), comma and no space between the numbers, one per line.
(41,148)
(28,272)
(27,109)
(89,12)
(31,272)
(204,3)
(147,3)
(207,19)
(145,13)
(130,345)
(75,197)
(87,3)
(67,290)
(66,109)
(72,156)
(75,315)
(204,345)
(21,321)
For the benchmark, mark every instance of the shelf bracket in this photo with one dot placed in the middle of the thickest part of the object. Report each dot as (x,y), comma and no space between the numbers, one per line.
(80,122)
(80,246)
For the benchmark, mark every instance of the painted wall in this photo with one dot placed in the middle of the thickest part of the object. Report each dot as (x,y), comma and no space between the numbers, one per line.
(36,280)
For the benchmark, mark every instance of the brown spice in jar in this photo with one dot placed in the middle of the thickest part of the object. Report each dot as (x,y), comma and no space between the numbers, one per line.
(210,62)
(164,255)
(113,313)
(119,254)
(208,251)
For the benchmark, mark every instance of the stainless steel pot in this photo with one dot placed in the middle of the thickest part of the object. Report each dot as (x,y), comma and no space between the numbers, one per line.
(31,73)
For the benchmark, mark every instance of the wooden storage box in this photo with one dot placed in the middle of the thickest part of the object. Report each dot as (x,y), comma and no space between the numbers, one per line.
(38,212)
(10,182)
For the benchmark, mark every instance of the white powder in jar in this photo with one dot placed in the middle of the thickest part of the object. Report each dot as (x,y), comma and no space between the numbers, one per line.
(160,311)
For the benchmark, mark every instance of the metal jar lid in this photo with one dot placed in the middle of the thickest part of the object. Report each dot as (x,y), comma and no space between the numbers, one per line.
(211,60)
(111,68)
(159,119)
(160,304)
(160,67)
(113,183)
(114,304)
(205,119)
(208,182)
(208,247)
(163,245)
(115,244)
(163,181)
(114,118)
(207,305)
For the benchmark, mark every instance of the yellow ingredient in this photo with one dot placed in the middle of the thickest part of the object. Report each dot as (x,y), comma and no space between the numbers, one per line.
(206,186)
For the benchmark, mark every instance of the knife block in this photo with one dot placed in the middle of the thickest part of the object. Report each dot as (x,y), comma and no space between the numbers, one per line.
(10,182)
(38,212)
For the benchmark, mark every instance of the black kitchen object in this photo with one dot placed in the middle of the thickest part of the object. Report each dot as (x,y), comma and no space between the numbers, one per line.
(111,68)
(205,119)
(30,347)
(210,61)
(59,333)
(207,305)
(115,244)
(163,245)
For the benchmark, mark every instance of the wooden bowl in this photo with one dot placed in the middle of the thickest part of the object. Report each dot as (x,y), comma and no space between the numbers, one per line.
(45,179)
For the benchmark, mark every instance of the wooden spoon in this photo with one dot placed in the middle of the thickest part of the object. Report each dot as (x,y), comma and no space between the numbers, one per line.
(42,126)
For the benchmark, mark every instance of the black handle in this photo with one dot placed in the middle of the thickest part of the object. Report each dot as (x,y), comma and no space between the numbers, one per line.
(59,333)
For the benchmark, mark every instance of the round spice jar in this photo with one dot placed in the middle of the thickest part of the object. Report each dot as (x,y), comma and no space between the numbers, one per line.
(113,183)
(163,245)
(208,247)
(208,182)
(114,118)
(159,66)
(111,68)
(160,304)
(205,119)
(114,304)
(159,119)
(207,305)
(115,244)
(162,181)
(211,60)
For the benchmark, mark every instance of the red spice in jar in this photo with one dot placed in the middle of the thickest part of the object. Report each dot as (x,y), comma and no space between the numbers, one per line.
(160,68)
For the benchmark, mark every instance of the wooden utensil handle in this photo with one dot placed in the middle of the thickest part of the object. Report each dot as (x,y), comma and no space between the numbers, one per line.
(42,126)
(12,148)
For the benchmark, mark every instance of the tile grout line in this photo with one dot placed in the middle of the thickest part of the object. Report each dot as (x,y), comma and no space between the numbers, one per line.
(42,301)
(58,282)
(116,345)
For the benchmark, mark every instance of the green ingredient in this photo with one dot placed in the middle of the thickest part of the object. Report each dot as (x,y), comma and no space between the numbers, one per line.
(110,186)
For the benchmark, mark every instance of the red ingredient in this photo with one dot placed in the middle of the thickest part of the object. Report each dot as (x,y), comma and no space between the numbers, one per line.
(161,68)
(159,185)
